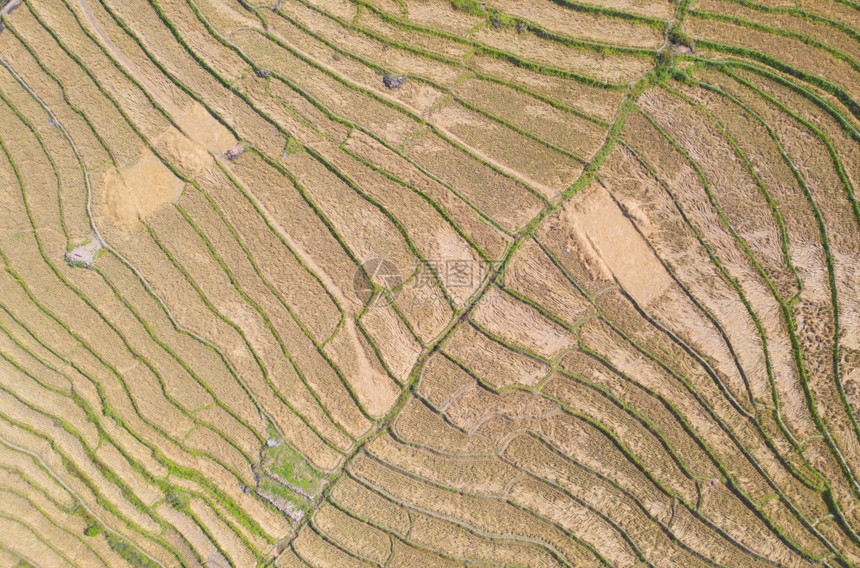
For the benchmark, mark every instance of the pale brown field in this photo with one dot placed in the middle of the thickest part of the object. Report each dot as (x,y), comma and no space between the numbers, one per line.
(429,283)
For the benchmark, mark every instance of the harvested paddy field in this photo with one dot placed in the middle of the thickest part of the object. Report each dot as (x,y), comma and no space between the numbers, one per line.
(442,283)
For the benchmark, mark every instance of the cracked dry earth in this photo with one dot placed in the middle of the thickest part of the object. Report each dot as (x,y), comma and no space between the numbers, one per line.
(429,283)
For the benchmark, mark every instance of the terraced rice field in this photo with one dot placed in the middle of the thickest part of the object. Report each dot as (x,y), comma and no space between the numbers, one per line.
(429,283)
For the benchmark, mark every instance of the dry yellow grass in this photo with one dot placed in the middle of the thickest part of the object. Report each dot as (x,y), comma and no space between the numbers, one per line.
(492,192)
(625,331)
(542,167)
(493,363)
(359,538)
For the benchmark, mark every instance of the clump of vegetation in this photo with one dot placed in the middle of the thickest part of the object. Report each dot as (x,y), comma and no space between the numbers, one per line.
(665,62)
(129,553)
(677,37)
(293,147)
(74,263)
(284,463)
(177,499)
(494,17)
(471,6)
(284,498)
(286,479)
(93,530)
